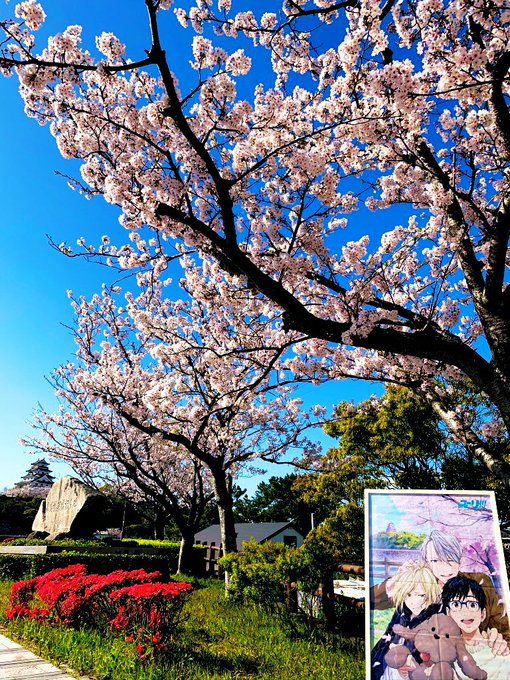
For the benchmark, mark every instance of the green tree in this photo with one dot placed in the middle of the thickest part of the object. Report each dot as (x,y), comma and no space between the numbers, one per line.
(17,514)
(395,441)
(276,500)
(398,539)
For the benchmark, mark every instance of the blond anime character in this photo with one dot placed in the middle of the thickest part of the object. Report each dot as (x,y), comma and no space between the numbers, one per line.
(414,589)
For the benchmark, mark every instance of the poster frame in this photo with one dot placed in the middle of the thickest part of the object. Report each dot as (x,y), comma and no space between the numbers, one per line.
(498,542)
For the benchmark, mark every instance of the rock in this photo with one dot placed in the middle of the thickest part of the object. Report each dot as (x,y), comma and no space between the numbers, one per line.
(38,534)
(71,509)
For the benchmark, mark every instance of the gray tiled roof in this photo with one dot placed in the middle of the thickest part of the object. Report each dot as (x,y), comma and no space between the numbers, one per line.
(260,531)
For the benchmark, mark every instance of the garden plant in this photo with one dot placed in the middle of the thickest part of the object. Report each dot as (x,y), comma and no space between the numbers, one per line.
(146,611)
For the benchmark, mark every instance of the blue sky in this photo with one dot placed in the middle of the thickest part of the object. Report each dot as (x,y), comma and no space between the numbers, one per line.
(33,277)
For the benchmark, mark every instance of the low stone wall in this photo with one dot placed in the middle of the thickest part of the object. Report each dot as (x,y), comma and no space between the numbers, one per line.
(24,550)
(100,550)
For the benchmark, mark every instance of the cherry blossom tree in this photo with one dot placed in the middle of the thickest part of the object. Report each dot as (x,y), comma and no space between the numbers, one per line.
(104,450)
(360,194)
(178,398)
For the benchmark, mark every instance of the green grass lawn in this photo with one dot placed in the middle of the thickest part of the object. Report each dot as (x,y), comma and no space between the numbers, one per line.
(219,641)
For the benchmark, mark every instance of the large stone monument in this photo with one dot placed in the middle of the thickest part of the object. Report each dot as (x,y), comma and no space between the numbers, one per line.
(71,509)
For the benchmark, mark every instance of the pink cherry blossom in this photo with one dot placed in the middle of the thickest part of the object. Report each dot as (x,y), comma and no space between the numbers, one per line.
(357,198)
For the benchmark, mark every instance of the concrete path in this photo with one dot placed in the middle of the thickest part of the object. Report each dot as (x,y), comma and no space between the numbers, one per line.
(17,663)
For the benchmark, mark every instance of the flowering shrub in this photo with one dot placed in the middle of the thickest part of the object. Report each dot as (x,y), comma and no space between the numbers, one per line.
(130,601)
(149,613)
(72,596)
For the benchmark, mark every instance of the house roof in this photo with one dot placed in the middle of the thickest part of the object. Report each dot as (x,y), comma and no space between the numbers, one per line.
(260,531)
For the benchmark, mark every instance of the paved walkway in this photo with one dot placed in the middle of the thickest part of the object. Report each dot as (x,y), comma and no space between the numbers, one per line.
(17,663)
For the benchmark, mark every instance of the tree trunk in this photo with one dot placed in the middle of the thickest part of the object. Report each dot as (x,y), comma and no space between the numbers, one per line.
(159,525)
(328,600)
(186,564)
(225,503)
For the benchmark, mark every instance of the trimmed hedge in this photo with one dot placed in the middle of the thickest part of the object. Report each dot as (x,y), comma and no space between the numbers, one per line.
(163,557)
(15,567)
(64,542)
(20,567)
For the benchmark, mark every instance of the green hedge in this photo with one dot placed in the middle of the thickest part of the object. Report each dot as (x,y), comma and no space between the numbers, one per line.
(18,567)
(66,542)
(15,567)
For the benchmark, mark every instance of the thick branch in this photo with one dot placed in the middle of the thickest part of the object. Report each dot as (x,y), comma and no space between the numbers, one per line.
(174,437)
(174,110)
(496,464)
(315,11)
(7,62)
(498,101)
(496,261)
(470,264)
(427,343)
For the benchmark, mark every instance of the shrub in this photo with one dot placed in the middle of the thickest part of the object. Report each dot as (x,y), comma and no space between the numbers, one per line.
(130,601)
(287,580)
(71,595)
(64,542)
(103,563)
(258,572)
(167,550)
(17,567)
(149,613)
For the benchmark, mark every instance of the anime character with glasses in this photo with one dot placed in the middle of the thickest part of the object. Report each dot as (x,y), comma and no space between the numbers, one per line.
(464,600)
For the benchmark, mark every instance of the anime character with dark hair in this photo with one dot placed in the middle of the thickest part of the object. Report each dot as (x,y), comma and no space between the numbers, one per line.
(464,600)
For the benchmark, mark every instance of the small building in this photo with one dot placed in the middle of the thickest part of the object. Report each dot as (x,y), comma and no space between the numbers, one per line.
(276,532)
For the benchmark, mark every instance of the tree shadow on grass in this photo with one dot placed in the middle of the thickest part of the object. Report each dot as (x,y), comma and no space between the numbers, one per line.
(202,661)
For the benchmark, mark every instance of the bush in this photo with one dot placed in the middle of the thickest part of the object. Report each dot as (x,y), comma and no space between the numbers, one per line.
(70,595)
(17,567)
(287,581)
(129,601)
(64,542)
(106,554)
(149,613)
(152,543)
(258,572)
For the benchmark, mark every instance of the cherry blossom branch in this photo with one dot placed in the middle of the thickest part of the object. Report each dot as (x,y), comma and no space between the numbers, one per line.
(493,460)
(499,102)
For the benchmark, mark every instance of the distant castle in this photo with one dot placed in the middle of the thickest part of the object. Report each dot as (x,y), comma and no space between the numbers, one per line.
(36,483)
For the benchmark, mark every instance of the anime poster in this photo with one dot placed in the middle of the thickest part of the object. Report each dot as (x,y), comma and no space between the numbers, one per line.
(437,591)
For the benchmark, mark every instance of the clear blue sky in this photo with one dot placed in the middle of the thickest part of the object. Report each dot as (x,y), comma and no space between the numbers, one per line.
(35,202)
